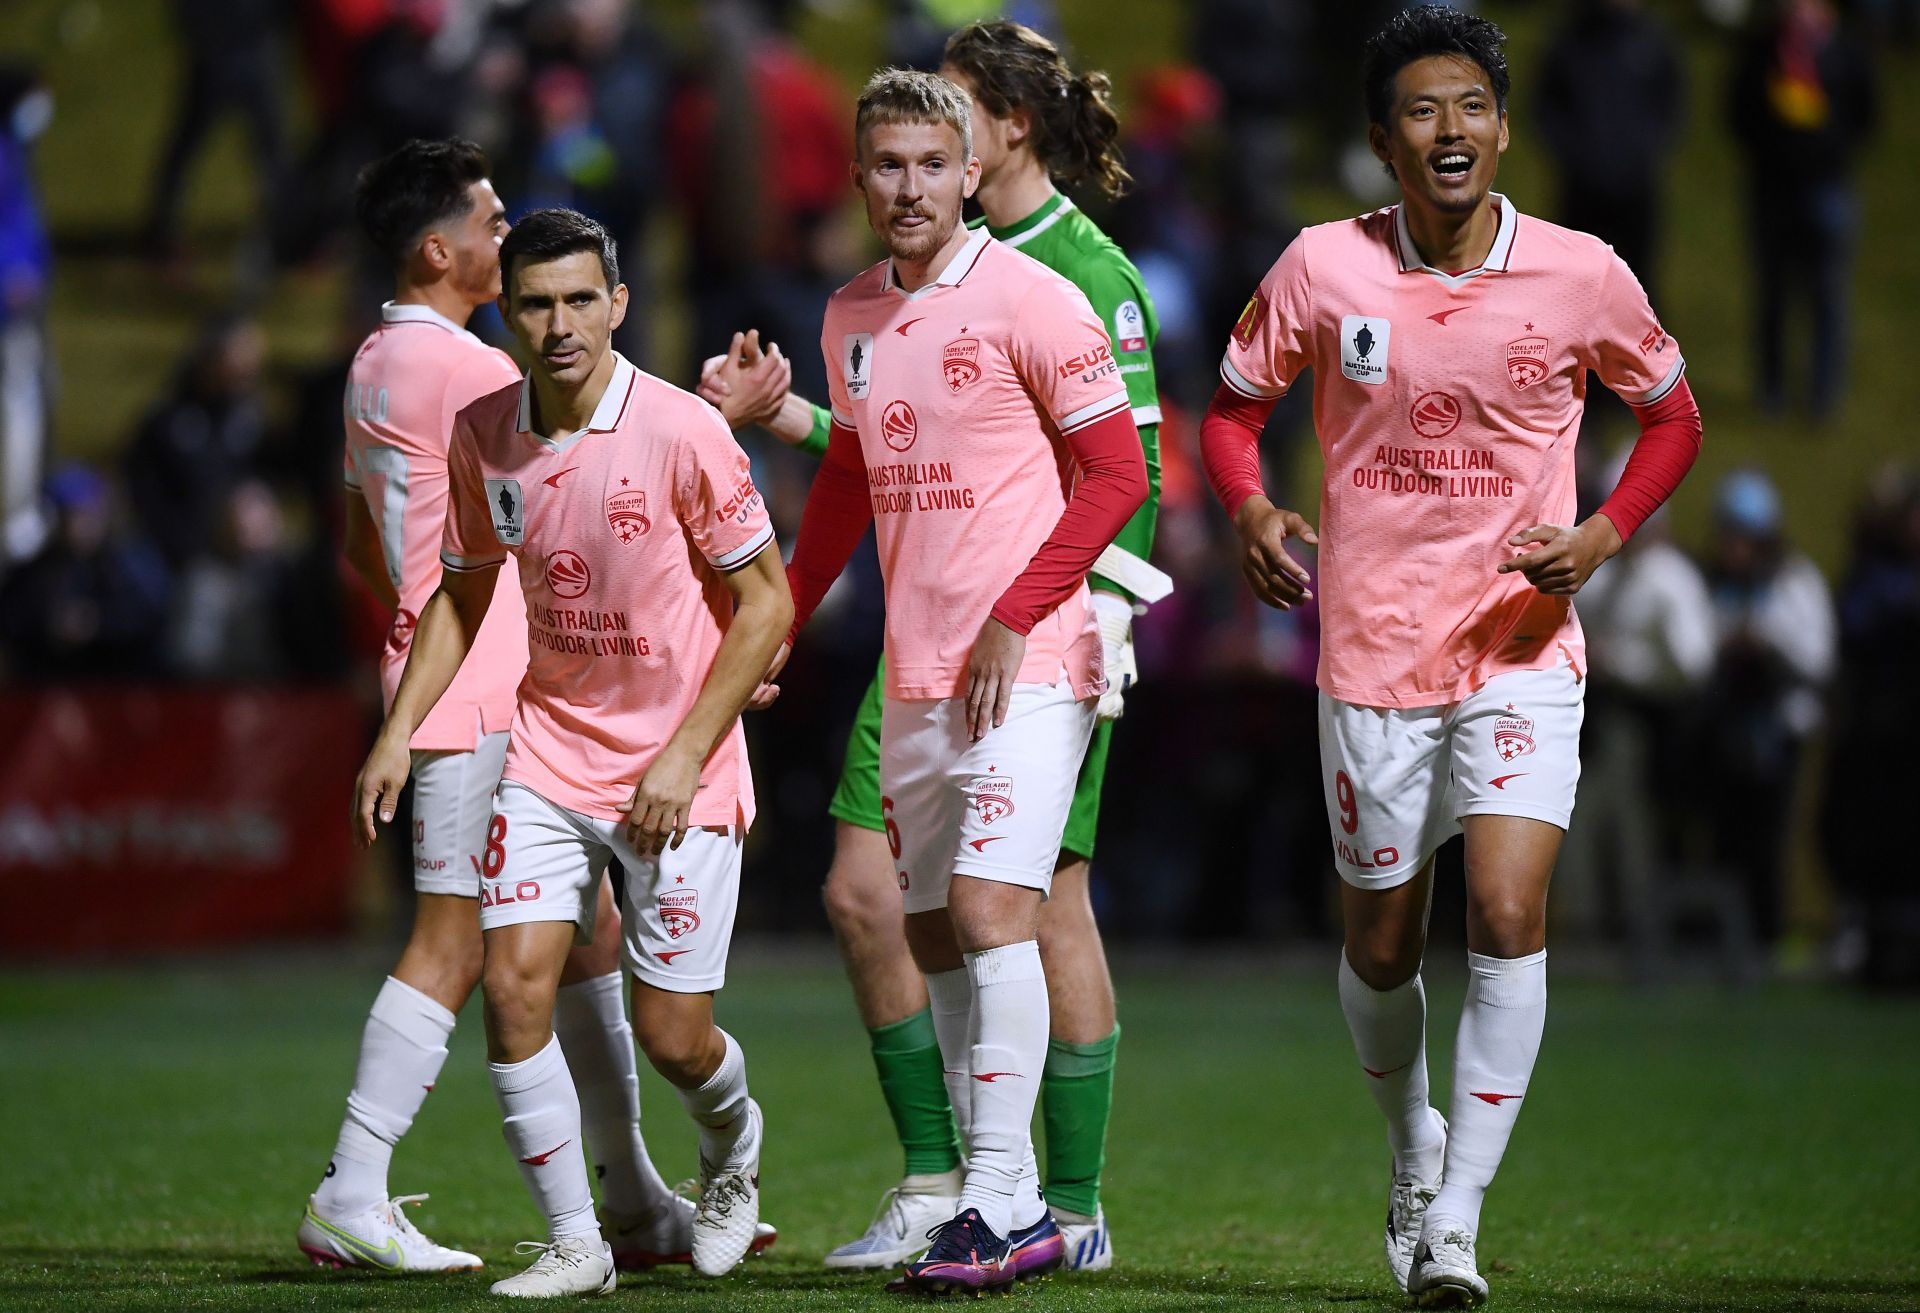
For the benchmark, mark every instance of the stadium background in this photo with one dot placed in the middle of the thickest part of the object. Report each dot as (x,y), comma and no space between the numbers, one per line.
(189,946)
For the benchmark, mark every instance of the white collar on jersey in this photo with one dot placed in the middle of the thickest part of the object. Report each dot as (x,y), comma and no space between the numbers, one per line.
(1497,257)
(606,415)
(395,313)
(957,268)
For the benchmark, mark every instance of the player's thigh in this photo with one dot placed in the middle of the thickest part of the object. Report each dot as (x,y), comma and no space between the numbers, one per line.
(1384,778)
(452,804)
(678,921)
(1509,861)
(919,743)
(1515,746)
(540,862)
(856,799)
(1018,785)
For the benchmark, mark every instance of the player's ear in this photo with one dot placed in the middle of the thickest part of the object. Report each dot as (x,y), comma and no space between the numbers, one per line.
(435,251)
(859,178)
(619,312)
(972,183)
(1503,132)
(1018,125)
(1377,139)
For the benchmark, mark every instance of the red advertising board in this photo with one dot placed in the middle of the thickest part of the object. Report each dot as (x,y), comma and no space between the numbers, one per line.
(148,820)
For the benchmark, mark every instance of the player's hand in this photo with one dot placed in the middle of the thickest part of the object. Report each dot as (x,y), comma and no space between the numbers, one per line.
(1115,616)
(748,384)
(1275,577)
(658,816)
(378,788)
(995,663)
(1558,560)
(764,696)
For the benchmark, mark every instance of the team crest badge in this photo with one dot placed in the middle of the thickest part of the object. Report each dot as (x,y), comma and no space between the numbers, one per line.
(1512,735)
(680,912)
(1527,360)
(627,515)
(993,798)
(960,362)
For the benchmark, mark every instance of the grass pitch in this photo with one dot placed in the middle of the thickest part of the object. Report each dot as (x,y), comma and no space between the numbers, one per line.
(1691,1150)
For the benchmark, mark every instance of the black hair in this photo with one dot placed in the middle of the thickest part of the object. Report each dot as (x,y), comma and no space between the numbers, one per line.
(400,196)
(1428,30)
(550,234)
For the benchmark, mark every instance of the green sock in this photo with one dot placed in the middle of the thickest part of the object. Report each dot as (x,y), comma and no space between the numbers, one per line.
(1076,1101)
(906,1054)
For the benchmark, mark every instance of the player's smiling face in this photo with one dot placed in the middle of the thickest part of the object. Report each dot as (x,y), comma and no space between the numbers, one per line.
(1444,135)
(475,243)
(563,314)
(915,177)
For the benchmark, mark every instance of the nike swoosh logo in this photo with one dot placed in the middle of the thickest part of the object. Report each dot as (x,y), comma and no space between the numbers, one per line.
(387,1256)
(989,1077)
(980,845)
(540,1159)
(1382,1075)
(553,480)
(902,330)
(1500,782)
(1495,1099)
(1441,317)
(672,953)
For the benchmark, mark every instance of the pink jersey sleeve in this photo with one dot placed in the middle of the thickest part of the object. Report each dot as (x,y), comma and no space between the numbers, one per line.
(1629,350)
(714,496)
(1273,338)
(468,542)
(1062,354)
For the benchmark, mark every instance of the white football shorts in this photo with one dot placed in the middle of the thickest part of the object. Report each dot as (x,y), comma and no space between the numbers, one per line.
(452,803)
(994,809)
(1397,780)
(542,862)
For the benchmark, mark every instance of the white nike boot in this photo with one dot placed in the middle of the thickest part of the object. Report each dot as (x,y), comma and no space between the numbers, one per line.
(571,1265)
(378,1237)
(898,1233)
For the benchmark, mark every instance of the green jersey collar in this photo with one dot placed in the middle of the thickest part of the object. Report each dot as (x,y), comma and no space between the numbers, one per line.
(1051,212)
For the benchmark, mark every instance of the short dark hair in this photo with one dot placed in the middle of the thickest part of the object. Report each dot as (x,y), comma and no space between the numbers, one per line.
(1428,30)
(400,196)
(550,234)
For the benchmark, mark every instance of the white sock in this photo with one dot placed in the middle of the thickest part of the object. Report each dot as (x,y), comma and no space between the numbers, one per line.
(1493,1059)
(950,997)
(1010,1026)
(401,1052)
(720,1107)
(590,1021)
(1389,1028)
(542,1126)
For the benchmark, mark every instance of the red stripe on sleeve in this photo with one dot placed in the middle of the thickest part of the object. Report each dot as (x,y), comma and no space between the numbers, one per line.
(837,514)
(1230,445)
(1669,442)
(1113,484)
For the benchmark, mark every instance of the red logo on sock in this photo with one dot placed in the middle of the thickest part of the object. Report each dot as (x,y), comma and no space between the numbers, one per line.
(540,1159)
(1495,1099)
(989,1077)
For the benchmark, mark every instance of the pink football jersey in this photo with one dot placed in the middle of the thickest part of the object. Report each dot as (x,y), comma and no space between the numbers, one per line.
(1447,407)
(621,533)
(962,393)
(407,382)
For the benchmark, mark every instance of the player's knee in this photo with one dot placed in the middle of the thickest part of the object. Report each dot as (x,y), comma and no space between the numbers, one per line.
(516,1002)
(1506,925)
(1383,962)
(676,1049)
(852,910)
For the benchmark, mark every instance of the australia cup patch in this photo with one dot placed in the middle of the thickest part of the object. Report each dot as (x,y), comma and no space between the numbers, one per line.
(992,797)
(960,362)
(627,515)
(680,912)
(856,364)
(1512,734)
(1364,340)
(509,511)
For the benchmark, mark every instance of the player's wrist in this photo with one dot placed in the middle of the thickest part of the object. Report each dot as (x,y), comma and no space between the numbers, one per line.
(1249,513)
(1602,535)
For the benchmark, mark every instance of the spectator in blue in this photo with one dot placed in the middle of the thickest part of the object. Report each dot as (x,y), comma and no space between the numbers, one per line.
(26,268)
(1804,103)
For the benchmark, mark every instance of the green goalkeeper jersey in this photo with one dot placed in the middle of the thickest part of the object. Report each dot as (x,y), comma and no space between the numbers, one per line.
(1061,236)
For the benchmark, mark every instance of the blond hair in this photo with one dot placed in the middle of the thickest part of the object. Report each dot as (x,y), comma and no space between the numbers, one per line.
(901,95)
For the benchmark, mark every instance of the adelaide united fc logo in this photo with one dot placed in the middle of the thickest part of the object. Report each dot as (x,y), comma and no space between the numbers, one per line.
(679,912)
(1512,734)
(960,362)
(992,797)
(1527,360)
(627,515)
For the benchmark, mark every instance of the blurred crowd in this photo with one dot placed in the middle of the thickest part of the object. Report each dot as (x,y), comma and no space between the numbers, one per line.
(1727,671)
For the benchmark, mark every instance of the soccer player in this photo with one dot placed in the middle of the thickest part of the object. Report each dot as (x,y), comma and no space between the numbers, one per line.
(1035,122)
(653,607)
(971,387)
(430,207)
(1450,337)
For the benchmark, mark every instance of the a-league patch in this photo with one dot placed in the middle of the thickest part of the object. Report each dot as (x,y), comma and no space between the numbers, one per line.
(1129,327)
(992,797)
(1363,348)
(856,364)
(509,511)
(680,912)
(1512,734)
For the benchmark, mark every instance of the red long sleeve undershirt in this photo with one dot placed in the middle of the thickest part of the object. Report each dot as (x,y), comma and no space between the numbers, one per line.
(1669,442)
(1113,484)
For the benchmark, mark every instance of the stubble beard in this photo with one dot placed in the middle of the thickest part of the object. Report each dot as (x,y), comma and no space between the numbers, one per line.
(920,245)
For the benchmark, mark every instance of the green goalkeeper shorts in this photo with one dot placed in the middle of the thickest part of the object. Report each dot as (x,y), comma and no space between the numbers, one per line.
(857,798)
